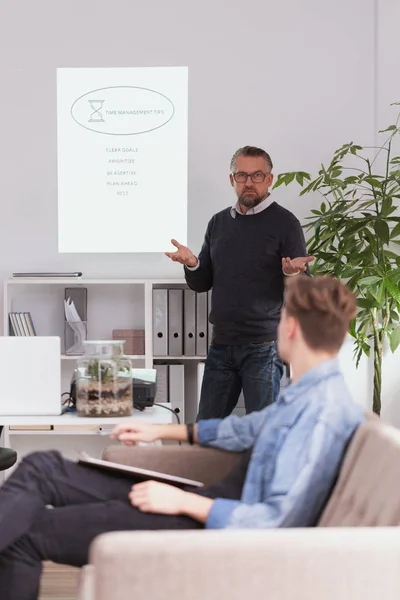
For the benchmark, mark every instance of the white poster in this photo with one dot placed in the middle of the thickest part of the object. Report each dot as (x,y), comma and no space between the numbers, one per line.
(122,159)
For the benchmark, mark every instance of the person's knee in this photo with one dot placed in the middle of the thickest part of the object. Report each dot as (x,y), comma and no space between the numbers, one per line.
(43,460)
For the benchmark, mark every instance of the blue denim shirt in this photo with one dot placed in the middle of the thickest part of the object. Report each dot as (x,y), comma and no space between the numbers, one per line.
(298,445)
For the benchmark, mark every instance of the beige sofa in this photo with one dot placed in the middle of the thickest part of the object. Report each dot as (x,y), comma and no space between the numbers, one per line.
(333,561)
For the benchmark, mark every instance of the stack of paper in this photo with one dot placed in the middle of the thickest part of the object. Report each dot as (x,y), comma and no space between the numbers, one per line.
(77,326)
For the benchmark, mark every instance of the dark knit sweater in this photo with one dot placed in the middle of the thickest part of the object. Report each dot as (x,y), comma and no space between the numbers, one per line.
(241,260)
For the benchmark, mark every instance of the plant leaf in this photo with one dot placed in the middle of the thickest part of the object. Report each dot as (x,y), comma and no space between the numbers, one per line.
(387,205)
(352,328)
(367,303)
(382,230)
(395,231)
(390,128)
(300,179)
(394,339)
(393,289)
(395,275)
(368,281)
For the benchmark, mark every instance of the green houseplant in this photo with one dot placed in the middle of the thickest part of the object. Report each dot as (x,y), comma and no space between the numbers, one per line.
(354,234)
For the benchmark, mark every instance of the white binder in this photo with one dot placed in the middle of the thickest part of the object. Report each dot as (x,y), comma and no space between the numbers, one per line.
(200,375)
(160,322)
(177,390)
(161,383)
(189,323)
(175,322)
(201,324)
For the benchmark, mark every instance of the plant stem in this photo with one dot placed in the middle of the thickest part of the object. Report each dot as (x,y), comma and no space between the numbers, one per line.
(380,333)
(384,188)
(378,353)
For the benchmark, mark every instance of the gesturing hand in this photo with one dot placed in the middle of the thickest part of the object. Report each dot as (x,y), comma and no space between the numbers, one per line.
(296,265)
(155,497)
(135,431)
(182,255)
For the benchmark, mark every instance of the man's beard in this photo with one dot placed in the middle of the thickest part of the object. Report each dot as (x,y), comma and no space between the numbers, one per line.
(250,200)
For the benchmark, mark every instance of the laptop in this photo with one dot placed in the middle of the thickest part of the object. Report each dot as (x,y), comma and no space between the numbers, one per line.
(30,376)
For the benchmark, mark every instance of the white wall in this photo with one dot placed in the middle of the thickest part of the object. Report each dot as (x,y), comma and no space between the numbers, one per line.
(298,77)
(388,91)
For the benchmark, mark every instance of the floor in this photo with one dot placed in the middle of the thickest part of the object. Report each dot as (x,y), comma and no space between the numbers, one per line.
(59,582)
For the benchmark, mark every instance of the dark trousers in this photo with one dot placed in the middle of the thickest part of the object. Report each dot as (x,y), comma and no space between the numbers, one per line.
(86,501)
(255,368)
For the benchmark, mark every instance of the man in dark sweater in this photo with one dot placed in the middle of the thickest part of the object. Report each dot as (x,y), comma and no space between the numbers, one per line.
(244,260)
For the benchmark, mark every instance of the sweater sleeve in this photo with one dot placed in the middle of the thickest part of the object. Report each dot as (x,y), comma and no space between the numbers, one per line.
(201,279)
(293,243)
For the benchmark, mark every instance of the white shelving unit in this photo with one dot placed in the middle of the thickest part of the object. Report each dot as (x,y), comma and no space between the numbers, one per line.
(131,356)
(112,304)
(155,414)
(43,297)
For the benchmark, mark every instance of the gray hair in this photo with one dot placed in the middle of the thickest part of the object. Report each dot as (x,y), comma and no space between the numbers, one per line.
(251,151)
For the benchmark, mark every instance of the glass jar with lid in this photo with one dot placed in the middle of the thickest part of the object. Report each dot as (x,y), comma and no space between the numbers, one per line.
(104,380)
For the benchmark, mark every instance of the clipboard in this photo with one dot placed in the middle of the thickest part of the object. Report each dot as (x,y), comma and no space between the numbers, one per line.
(137,472)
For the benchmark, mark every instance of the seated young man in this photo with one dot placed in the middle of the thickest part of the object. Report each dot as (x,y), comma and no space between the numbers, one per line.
(293,451)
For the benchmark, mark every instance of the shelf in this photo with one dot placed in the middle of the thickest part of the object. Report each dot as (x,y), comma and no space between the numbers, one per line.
(47,432)
(198,358)
(142,357)
(76,356)
(155,414)
(72,281)
(167,281)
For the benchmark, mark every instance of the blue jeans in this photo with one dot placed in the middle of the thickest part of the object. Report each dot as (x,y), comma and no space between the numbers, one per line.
(255,368)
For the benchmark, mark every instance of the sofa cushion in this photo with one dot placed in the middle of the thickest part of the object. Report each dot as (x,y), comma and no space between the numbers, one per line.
(367,493)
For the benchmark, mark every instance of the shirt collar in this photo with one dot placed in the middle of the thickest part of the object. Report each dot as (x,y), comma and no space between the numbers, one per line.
(310,379)
(252,211)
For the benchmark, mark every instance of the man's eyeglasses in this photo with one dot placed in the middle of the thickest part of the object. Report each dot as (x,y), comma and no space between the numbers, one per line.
(257,177)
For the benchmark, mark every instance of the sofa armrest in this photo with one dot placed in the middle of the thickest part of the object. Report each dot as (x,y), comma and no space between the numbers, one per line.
(86,583)
(193,462)
(282,564)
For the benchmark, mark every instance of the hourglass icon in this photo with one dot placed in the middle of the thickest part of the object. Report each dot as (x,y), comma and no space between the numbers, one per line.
(96,106)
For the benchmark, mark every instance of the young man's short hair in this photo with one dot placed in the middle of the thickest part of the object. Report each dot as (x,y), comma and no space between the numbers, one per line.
(324,308)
